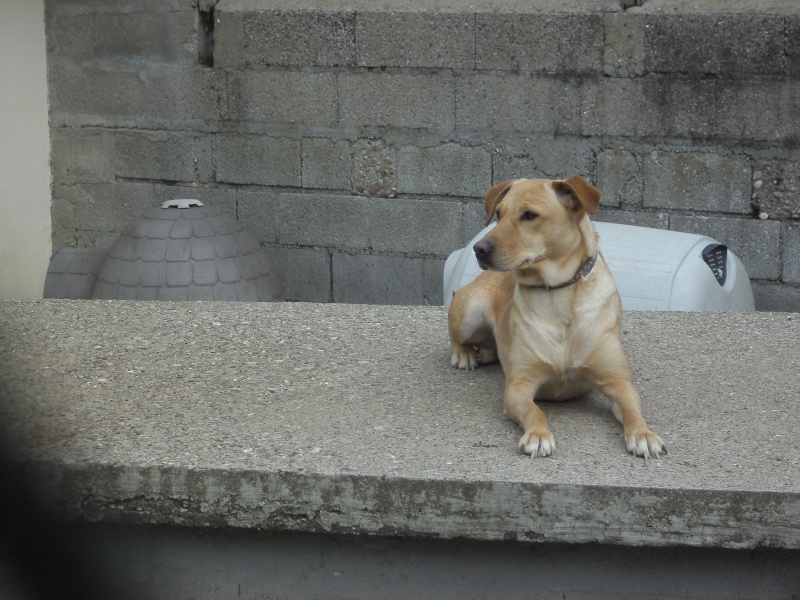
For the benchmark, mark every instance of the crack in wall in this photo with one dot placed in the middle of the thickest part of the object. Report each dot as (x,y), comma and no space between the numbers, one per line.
(205,32)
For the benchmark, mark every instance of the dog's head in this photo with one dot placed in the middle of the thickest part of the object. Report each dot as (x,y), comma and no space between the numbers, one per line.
(537,220)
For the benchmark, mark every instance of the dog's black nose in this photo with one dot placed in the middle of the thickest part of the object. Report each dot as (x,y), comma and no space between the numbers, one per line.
(483,250)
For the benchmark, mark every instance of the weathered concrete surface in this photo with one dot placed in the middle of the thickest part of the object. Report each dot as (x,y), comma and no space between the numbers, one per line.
(349,419)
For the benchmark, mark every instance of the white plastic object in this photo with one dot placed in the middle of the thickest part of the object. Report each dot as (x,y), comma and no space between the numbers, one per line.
(655,269)
(182,203)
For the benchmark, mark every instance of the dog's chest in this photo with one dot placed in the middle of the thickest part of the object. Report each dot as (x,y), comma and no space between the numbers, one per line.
(551,332)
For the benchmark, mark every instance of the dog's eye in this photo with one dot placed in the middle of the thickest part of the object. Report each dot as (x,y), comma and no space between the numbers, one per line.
(528,215)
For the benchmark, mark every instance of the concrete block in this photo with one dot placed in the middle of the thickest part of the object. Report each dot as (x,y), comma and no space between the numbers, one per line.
(162,155)
(776,189)
(184,97)
(282,97)
(62,214)
(258,211)
(257,159)
(697,181)
(756,243)
(321,220)
(776,297)
(167,37)
(793,46)
(98,212)
(430,40)
(720,44)
(758,110)
(544,157)
(326,164)
(172,97)
(416,101)
(517,103)
(421,227)
(79,94)
(151,96)
(306,273)
(98,6)
(512,167)
(81,155)
(658,106)
(449,169)
(618,174)
(91,238)
(158,6)
(305,38)
(368,279)
(228,39)
(374,170)
(70,37)
(474,219)
(623,54)
(432,282)
(551,43)
(791,253)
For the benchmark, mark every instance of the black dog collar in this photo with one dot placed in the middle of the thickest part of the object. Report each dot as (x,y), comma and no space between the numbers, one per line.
(585,268)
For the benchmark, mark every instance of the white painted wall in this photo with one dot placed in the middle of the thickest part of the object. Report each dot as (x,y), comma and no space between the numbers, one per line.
(25,231)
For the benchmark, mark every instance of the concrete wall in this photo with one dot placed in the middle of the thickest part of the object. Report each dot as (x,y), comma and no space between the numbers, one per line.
(172,563)
(357,143)
(24,151)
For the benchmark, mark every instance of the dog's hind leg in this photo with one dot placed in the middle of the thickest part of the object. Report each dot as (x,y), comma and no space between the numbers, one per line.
(470,329)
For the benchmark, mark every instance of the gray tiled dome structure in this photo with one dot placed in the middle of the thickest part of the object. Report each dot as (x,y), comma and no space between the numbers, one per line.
(181,251)
(72,271)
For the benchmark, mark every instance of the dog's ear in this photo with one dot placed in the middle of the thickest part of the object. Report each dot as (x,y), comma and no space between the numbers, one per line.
(579,193)
(494,196)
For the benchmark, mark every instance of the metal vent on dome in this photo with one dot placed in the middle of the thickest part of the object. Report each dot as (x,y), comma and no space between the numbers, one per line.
(182,203)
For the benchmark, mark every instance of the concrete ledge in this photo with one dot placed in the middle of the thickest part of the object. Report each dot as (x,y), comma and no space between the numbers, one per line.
(349,419)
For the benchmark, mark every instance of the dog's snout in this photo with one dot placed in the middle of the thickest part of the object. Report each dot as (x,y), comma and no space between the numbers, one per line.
(483,249)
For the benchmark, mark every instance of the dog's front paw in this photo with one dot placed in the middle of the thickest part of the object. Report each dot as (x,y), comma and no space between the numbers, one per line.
(464,357)
(646,444)
(536,445)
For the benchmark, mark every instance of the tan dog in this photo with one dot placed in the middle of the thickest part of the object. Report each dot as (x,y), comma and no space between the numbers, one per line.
(548,308)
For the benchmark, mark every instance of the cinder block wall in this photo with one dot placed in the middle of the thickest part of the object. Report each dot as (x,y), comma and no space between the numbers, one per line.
(357,141)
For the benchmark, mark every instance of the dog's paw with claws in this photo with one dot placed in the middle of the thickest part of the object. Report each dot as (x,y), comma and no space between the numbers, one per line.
(646,444)
(537,446)
(465,358)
